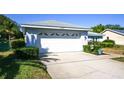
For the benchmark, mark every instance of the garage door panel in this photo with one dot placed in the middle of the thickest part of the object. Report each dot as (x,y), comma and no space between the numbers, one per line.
(60,45)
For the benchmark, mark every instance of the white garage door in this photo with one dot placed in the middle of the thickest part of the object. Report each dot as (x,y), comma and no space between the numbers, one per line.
(60,42)
(60,45)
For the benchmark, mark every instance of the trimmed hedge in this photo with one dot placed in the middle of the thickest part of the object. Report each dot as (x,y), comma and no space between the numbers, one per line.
(105,43)
(27,53)
(108,43)
(18,43)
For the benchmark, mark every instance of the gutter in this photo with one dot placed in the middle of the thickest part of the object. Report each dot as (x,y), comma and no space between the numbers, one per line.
(54,27)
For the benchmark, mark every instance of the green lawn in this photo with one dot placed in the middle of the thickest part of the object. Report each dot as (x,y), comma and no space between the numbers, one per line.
(121,59)
(18,69)
(15,69)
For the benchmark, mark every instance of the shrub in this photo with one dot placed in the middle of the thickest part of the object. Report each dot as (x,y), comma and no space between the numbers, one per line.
(87,48)
(91,49)
(95,50)
(108,43)
(18,43)
(27,53)
(94,43)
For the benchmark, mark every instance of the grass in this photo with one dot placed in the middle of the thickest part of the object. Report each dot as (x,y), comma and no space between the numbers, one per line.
(18,69)
(121,59)
(118,49)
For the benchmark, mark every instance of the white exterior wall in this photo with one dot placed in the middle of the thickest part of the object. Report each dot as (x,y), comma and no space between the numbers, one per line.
(119,39)
(31,38)
(55,44)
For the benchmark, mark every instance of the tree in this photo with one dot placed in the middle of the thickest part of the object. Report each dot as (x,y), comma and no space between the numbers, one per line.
(114,27)
(98,28)
(9,28)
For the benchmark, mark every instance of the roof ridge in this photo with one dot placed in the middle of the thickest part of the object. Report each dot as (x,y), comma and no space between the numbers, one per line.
(121,32)
(54,23)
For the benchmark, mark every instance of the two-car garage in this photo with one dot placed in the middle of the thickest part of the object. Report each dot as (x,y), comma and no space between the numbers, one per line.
(60,41)
(55,36)
(60,45)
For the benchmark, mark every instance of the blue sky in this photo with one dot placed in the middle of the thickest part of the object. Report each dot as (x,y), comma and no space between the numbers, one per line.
(85,20)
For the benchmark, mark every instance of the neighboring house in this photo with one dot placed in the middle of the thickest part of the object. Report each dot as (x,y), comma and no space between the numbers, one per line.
(116,35)
(55,36)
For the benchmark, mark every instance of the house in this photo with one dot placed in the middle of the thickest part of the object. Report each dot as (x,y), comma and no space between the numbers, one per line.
(116,35)
(55,36)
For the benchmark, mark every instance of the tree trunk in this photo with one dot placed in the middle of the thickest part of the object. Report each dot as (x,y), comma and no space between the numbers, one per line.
(10,42)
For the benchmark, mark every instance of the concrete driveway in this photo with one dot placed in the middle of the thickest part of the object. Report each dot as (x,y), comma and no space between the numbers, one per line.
(80,65)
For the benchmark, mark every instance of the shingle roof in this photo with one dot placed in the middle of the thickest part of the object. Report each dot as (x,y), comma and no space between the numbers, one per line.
(94,34)
(120,32)
(53,23)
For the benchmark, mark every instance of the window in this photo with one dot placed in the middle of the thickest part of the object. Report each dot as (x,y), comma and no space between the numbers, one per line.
(63,34)
(60,34)
(40,34)
(52,34)
(46,34)
(67,34)
(57,34)
(72,35)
